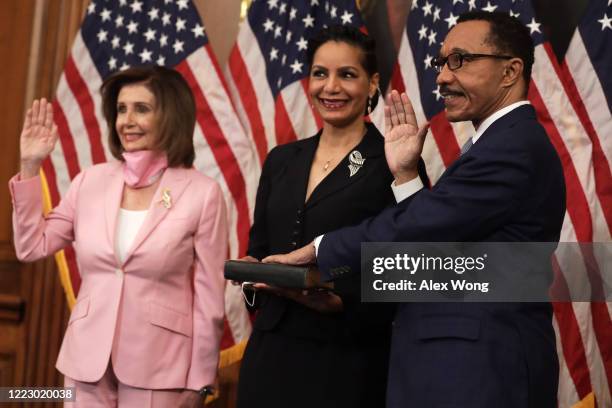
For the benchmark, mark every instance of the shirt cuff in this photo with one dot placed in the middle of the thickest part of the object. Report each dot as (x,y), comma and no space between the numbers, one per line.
(405,190)
(317,242)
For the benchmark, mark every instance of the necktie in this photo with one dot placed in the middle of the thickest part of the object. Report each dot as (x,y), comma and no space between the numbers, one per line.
(466,146)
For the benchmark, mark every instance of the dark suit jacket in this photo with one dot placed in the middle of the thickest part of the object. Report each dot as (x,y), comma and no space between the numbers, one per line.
(283,221)
(508,187)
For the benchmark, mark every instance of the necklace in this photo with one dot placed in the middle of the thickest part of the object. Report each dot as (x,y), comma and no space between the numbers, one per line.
(326,166)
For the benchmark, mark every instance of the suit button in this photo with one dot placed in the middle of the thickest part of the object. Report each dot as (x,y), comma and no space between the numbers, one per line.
(294,244)
(298,222)
(299,212)
(119,273)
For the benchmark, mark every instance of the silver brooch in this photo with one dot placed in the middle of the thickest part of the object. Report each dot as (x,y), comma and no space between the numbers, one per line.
(355,162)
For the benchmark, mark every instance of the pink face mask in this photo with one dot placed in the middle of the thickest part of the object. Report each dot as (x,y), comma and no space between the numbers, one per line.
(143,167)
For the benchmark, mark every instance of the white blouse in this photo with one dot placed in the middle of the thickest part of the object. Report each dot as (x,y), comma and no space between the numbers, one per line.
(128,225)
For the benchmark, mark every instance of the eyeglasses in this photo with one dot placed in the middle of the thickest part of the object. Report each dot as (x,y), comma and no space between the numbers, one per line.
(455,60)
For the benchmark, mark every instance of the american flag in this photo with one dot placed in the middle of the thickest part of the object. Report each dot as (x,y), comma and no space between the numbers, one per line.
(115,35)
(573,103)
(268,72)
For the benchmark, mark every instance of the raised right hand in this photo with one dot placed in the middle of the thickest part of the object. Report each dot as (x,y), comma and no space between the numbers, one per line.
(38,137)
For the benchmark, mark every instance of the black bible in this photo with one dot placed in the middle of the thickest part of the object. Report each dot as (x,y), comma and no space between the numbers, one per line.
(286,276)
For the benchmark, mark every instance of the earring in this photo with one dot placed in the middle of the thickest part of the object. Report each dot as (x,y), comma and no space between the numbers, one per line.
(369,105)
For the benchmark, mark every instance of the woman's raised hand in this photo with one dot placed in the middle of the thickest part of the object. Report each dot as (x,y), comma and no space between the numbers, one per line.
(38,137)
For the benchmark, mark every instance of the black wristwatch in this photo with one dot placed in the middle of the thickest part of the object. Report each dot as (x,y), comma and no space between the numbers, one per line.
(206,391)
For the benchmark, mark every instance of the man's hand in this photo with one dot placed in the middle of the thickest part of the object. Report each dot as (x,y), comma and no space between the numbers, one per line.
(403,137)
(190,399)
(302,256)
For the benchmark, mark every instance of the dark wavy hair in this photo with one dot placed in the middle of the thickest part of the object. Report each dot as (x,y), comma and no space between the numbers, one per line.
(175,108)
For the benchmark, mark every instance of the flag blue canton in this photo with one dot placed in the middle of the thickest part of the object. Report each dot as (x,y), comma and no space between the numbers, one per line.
(596,32)
(282,30)
(427,26)
(120,34)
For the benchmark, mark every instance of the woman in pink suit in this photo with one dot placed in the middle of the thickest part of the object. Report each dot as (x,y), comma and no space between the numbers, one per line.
(150,235)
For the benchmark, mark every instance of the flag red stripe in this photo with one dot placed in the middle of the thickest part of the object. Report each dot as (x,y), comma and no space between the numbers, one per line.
(577,204)
(223,156)
(248,96)
(49,171)
(445,138)
(66,140)
(571,340)
(282,123)
(601,167)
(397,80)
(86,105)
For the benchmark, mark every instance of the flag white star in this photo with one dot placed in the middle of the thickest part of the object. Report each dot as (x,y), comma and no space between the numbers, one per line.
(115,42)
(427,8)
(334,12)
(609,2)
(437,93)
(302,44)
(308,21)
(272,4)
(163,40)
(268,25)
(153,14)
(180,24)
(432,37)
(605,22)
(457,1)
(119,21)
(166,19)
(105,14)
(136,6)
(296,67)
(533,26)
(279,82)
(128,48)
(150,35)
(314,3)
(489,7)
(122,3)
(102,36)
(273,54)
(451,20)
(178,46)
(145,56)
(422,32)
(182,4)
(161,60)
(132,27)
(513,14)
(347,18)
(198,31)
(91,8)
(278,31)
(427,61)
(284,59)
(414,5)
(436,14)
(288,36)
(292,14)
(282,9)
(472,4)
(123,67)
(112,63)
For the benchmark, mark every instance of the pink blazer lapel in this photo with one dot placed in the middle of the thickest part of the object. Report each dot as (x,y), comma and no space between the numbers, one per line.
(172,184)
(112,201)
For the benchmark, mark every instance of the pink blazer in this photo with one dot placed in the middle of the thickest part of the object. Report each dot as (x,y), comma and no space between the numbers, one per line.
(159,315)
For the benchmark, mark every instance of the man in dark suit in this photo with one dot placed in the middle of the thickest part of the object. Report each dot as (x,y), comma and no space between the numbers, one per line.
(507,185)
